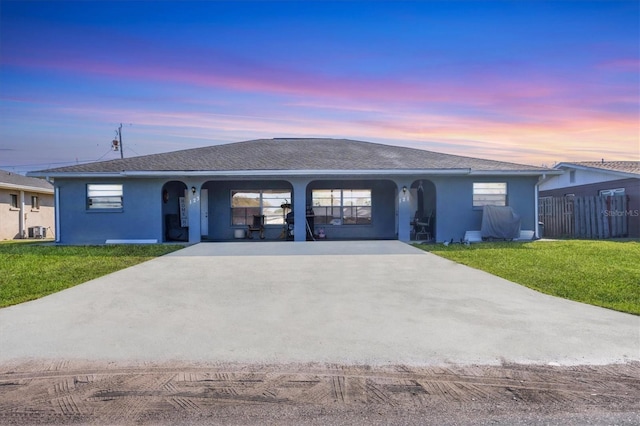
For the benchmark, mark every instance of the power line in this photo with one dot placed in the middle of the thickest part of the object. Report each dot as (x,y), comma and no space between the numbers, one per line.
(48,164)
(133,150)
(55,162)
(104,155)
(118,147)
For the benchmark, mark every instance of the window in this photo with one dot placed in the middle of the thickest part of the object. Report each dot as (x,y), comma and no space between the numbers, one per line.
(612,192)
(489,194)
(572,176)
(14,201)
(104,196)
(342,206)
(246,203)
(35,202)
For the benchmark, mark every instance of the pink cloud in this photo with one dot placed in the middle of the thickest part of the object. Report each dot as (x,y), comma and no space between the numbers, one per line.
(220,70)
(585,137)
(484,114)
(528,96)
(624,65)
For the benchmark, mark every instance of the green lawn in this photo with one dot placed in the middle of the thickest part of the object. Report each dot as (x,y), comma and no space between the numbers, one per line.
(601,273)
(30,270)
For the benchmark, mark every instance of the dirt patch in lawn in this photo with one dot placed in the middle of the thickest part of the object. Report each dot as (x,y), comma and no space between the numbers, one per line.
(37,392)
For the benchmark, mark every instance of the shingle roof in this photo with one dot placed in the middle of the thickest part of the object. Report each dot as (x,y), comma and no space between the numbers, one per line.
(14,180)
(614,166)
(295,154)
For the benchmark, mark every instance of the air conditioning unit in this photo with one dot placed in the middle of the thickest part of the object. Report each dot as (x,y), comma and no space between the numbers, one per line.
(37,232)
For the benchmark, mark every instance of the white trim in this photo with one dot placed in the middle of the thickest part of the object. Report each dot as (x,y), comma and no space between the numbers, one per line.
(295,173)
(515,172)
(150,241)
(256,173)
(622,191)
(286,173)
(25,188)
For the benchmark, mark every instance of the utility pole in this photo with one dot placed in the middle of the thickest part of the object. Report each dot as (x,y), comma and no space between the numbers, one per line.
(120,139)
(116,144)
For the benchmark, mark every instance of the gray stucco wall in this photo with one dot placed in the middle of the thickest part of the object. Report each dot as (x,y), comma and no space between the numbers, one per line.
(455,212)
(143,212)
(220,226)
(140,217)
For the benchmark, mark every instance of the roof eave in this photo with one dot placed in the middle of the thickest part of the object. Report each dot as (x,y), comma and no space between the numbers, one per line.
(277,173)
(305,172)
(515,172)
(26,188)
(246,173)
(597,169)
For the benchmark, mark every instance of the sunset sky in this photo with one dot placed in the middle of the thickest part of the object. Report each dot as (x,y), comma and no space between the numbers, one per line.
(526,82)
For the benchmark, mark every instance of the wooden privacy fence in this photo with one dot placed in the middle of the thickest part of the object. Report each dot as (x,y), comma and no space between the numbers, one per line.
(584,217)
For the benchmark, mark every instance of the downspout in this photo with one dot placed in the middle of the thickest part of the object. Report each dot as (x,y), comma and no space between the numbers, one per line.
(56,212)
(21,221)
(56,209)
(536,194)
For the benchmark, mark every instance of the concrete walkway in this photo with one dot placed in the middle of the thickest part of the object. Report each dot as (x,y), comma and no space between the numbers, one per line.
(373,302)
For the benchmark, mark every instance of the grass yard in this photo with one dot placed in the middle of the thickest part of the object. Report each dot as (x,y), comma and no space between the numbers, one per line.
(30,270)
(601,273)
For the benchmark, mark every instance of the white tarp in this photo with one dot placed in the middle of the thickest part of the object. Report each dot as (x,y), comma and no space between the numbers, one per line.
(500,222)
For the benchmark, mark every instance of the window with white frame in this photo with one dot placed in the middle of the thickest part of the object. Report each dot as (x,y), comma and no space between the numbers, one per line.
(35,202)
(14,201)
(268,202)
(489,194)
(341,206)
(104,196)
(612,192)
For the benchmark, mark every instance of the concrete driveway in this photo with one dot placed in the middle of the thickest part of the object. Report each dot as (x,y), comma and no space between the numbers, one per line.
(373,302)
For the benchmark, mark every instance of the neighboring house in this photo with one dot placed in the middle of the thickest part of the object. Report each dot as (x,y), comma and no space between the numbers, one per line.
(26,207)
(351,190)
(598,178)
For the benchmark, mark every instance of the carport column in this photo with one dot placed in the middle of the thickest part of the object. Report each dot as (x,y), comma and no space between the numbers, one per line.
(299,209)
(194,211)
(404,211)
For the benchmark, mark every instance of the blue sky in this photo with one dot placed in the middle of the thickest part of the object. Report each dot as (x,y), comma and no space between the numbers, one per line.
(528,82)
